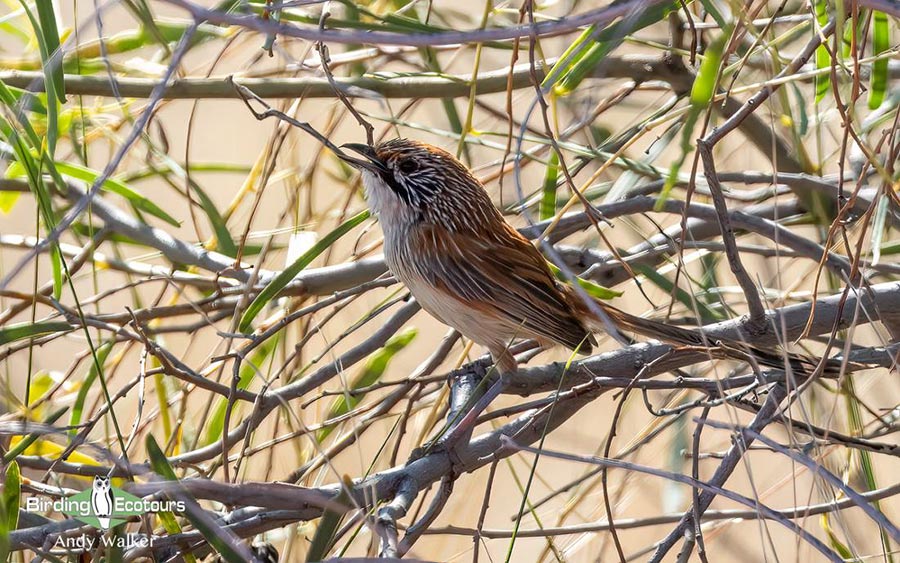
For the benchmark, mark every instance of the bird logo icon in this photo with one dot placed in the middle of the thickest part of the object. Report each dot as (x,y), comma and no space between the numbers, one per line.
(102,500)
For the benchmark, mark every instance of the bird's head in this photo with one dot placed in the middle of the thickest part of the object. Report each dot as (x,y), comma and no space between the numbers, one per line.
(412,181)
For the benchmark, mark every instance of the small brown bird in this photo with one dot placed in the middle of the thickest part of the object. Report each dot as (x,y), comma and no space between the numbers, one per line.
(466,266)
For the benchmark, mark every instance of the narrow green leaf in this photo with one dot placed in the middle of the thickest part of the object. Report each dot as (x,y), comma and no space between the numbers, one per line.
(216,423)
(713,11)
(54,85)
(707,314)
(328,525)
(158,460)
(12,491)
(573,53)
(11,102)
(33,169)
(163,386)
(881,42)
(430,58)
(890,248)
(803,126)
(141,10)
(702,92)
(611,37)
(823,58)
(595,290)
(8,201)
(133,196)
(13,332)
(226,244)
(847,37)
(281,280)
(50,34)
(371,373)
(548,197)
(160,464)
(92,374)
(708,76)
(15,452)
(836,544)
(33,141)
(28,100)
(9,508)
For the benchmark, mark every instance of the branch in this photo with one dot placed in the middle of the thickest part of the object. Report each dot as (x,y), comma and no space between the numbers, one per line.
(599,16)
(711,488)
(639,68)
(708,516)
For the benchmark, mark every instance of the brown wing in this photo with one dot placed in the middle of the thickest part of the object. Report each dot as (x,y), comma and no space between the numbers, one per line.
(502,273)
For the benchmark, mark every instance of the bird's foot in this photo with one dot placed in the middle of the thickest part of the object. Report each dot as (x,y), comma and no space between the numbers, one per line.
(469,396)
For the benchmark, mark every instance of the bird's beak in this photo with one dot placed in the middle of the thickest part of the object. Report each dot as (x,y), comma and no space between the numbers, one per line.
(370,160)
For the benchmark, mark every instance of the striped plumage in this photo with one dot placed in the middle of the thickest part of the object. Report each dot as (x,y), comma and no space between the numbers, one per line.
(445,240)
(466,266)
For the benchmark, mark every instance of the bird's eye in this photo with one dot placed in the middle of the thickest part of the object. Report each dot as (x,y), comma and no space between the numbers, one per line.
(408,166)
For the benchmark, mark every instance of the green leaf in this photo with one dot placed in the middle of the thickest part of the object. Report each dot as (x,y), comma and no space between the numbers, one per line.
(216,423)
(881,42)
(53,59)
(803,126)
(9,507)
(32,167)
(579,66)
(12,489)
(141,10)
(708,76)
(161,466)
(595,290)
(28,100)
(327,527)
(890,248)
(548,198)
(281,280)
(8,201)
(47,37)
(836,544)
(13,332)
(371,373)
(10,100)
(702,92)
(225,243)
(158,460)
(32,140)
(133,196)
(15,452)
(823,57)
(430,58)
(713,11)
(707,314)
(162,394)
(78,407)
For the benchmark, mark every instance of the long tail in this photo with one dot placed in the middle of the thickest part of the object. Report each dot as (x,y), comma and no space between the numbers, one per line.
(719,347)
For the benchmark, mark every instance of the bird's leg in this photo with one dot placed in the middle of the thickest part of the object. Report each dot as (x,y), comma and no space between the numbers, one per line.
(475,399)
(470,394)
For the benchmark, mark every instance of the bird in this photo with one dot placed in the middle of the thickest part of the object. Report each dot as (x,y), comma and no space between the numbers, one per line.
(470,269)
(102,500)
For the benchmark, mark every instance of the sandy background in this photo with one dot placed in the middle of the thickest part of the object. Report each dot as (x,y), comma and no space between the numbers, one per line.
(224,132)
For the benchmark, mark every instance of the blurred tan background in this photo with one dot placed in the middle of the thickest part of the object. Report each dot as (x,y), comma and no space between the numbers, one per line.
(307,191)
